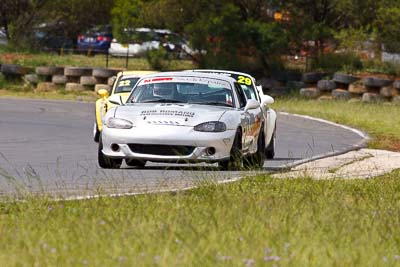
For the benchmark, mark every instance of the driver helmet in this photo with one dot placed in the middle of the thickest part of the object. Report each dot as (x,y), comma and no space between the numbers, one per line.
(164,89)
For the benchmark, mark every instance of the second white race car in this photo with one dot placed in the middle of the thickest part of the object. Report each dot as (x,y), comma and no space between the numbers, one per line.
(185,117)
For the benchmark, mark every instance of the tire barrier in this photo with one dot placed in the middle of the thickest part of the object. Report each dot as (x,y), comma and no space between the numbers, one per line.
(313,85)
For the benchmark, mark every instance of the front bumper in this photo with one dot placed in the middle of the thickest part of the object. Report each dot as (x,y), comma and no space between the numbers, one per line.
(168,135)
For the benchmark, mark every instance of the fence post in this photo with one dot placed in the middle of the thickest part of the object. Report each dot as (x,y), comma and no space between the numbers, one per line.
(127,56)
(107,59)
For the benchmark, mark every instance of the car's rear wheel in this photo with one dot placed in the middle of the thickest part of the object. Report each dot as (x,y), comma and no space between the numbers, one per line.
(270,150)
(135,163)
(96,132)
(235,160)
(107,162)
(256,160)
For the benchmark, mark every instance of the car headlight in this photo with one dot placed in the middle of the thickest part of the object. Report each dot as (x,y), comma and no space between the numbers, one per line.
(211,126)
(119,123)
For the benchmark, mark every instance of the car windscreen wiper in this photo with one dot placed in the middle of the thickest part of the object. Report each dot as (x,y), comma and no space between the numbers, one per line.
(163,100)
(215,103)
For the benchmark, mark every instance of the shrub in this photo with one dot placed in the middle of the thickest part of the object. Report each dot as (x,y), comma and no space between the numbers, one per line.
(348,62)
(158,59)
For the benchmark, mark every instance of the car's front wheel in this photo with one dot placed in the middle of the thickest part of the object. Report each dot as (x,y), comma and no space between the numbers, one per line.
(96,132)
(256,160)
(107,162)
(270,150)
(235,160)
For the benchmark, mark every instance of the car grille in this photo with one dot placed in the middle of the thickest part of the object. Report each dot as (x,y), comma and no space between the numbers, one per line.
(161,150)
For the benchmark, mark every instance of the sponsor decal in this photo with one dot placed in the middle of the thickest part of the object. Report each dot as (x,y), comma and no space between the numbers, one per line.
(200,80)
(166,112)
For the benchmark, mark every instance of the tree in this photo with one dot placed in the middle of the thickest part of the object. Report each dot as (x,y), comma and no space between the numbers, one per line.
(19,16)
(388,28)
(126,14)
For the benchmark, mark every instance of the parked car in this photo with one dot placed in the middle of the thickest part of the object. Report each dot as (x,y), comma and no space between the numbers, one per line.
(52,37)
(3,37)
(140,40)
(184,117)
(123,84)
(96,40)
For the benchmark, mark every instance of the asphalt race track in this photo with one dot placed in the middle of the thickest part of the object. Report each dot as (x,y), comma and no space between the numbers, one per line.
(47,146)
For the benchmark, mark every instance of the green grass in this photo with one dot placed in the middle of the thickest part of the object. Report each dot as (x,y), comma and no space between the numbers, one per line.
(266,221)
(381,121)
(54,59)
(258,221)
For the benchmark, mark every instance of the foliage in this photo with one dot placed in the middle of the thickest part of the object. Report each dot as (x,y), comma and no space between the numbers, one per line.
(348,62)
(23,19)
(351,39)
(157,58)
(259,221)
(388,28)
(125,14)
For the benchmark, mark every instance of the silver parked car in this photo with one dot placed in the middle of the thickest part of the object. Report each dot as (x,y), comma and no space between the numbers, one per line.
(184,117)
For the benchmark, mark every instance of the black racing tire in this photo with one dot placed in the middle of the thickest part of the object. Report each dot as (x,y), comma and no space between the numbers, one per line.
(96,132)
(77,71)
(340,94)
(235,160)
(135,163)
(376,82)
(88,80)
(59,79)
(105,73)
(49,70)
(107,162)
(270,149)
(313,77)
(344,78)
(256,160)
(326,85)
(396,84)
(13,69)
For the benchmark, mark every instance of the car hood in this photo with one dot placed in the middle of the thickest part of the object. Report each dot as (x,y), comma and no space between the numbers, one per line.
(169,114)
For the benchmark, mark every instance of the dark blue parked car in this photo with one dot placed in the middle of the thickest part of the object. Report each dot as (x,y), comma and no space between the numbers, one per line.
(96,40)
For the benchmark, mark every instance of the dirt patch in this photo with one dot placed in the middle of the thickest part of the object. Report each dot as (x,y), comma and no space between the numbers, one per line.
(11,58)
(375,75)
(386,142)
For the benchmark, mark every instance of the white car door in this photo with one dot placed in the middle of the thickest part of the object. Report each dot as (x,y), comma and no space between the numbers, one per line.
(248,119)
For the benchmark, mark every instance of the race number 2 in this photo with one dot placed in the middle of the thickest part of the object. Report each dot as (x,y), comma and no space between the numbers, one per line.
(244,80)
(124,83)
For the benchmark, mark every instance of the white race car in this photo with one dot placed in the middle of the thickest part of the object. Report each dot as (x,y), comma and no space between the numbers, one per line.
(254,91)
(184,117)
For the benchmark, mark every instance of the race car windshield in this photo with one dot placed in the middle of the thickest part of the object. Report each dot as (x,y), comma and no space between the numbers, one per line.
(125,85)
(182,92)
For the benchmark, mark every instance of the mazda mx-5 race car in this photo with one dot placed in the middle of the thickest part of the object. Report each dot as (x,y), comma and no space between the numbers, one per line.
(254,91)
(184,117)
(122,86)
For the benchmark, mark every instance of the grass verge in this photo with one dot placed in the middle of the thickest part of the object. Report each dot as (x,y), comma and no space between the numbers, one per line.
(380,120)
(54,59)
(256,222)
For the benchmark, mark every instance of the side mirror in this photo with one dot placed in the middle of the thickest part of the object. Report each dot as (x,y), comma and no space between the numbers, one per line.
(266,100)
(260,89)
(112,80)
(251,104)
(115,99)
(103,93)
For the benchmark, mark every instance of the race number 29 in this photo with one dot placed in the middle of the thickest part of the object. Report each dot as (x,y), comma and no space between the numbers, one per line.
(244,80)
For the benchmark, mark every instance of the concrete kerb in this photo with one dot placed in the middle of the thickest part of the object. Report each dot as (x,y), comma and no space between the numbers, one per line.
(362,144)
